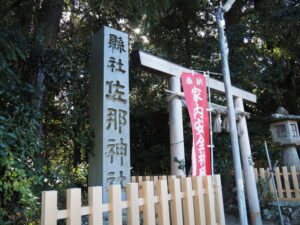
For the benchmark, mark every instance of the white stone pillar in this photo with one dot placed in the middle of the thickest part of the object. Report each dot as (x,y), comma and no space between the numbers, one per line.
(176,129)
(246,155)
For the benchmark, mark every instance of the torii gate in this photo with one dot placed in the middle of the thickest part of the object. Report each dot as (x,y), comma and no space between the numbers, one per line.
(166,69)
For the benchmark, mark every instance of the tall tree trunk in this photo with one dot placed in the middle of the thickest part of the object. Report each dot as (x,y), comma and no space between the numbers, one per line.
(48,25)
(290,97)
(49,20)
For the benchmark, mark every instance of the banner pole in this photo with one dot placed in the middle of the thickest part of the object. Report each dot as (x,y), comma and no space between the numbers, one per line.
(210,129)
(232,120)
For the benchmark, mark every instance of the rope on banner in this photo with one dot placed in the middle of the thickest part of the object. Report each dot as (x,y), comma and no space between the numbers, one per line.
(211,146)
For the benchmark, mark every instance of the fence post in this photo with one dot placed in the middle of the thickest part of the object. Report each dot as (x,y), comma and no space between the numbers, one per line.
(286,182)
(74,206)
(163,204)
(220,215)
(209,201)
(95,204)
(188,207)
(270,181)
(49,208)
(295,182)
(148,208)
(163,177)
(133,215)
(279,183)
(115,213)
(176,205)
(199,201)
(133,179)
(155,179)
(262,174)
(256,175)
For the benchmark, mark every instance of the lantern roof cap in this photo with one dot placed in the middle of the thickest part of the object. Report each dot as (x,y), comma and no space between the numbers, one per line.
(282,114)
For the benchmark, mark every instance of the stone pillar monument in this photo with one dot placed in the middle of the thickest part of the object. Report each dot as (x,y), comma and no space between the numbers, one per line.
(109,160)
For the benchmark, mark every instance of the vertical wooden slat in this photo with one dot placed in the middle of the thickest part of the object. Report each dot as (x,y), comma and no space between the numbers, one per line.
(256,175)
(95,204)
(115,213)
(199,201)
(220,215)
(133,216)
(155,193)
(163,205)
(188,206)
(295,181)
(278,182)
(286,182)
(176,203)
(209,201)
(49,208)
(262,174)
(162,177)
(148,208)
(74,206)
(155,179)
(140,179)
(171,177)
(147,178)
(133,179)
(270,182)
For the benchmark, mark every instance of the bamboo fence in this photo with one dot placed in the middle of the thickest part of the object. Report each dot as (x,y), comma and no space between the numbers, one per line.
(163,201)
(287,183)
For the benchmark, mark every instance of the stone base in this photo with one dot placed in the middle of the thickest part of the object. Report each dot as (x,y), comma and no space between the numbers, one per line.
(290,212)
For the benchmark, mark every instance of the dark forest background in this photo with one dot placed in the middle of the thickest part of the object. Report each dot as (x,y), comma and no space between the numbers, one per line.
(44,84)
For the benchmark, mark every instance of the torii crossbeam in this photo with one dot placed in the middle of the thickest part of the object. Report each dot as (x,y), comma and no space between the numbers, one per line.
(164,68)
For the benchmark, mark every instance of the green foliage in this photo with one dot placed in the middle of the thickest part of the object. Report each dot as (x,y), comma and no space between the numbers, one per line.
(148,107)
(181,163)
(19,146)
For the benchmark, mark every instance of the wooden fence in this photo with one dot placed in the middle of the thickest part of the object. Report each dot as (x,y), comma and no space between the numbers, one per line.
(169,201)
(287,183)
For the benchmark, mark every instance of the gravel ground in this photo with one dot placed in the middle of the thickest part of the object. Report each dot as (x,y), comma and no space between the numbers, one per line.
(234,220)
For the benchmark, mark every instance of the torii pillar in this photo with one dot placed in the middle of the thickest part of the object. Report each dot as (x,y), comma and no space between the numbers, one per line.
(248,166)
(176,129)
(156,65)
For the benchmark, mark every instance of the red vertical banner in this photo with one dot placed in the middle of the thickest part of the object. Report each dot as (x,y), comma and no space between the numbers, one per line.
(195,93)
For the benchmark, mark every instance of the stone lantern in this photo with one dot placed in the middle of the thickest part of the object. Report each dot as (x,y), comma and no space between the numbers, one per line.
(285,131)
